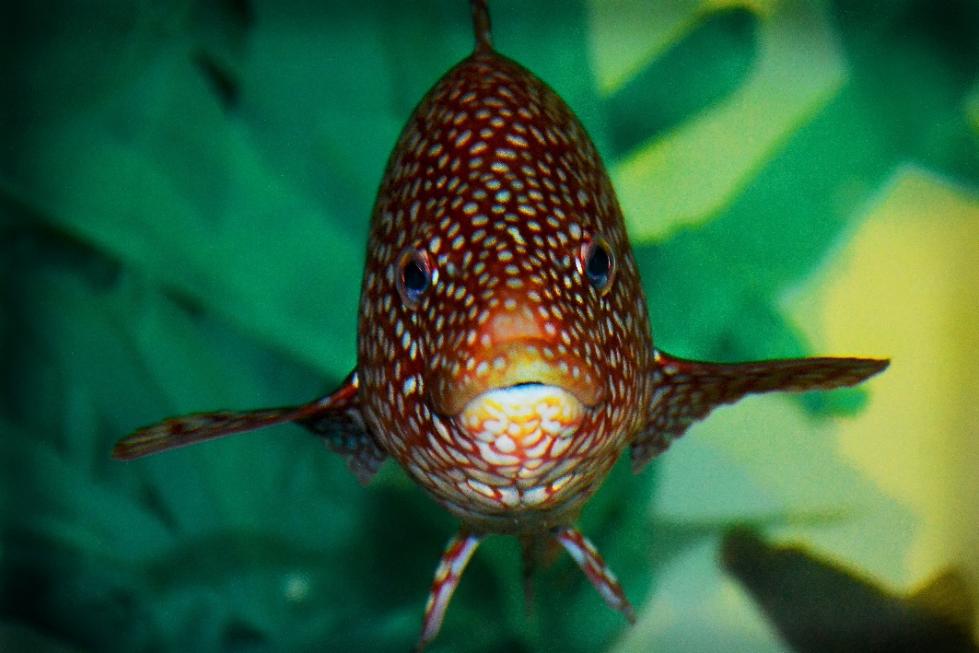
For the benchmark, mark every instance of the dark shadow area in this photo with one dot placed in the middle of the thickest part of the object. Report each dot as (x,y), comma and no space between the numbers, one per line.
(820,606)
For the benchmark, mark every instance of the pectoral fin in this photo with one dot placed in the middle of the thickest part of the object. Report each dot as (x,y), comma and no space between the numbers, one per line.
(685,391)
(335,417)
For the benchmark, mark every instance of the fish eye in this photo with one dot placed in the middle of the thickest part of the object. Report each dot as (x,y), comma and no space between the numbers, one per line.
(597,264)
(414,276)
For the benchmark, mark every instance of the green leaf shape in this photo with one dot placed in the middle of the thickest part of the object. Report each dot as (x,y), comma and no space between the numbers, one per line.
(689,175)
(155,160)
(700,70)
(166,249)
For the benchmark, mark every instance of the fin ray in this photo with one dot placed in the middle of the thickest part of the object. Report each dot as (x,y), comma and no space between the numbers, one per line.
(685,391)
(336,418)
(598,573)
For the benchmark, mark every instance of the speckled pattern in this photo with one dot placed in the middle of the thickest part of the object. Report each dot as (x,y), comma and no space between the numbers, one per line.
(496,182)
(524,431)
(505,359)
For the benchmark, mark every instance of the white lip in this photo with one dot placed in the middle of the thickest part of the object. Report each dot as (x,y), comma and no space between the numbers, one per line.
(518,419)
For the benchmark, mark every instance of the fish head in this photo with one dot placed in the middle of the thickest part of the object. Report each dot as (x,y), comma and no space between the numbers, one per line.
(500,294)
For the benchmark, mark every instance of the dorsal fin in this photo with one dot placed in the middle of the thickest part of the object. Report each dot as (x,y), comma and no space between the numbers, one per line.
(481,26)
(947,596)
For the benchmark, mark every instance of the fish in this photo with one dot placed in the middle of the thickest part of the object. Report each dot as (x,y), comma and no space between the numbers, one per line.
(818,605)
(504,354)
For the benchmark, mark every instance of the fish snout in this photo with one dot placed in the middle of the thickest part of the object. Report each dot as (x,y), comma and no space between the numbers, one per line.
(527,361)
(517,341)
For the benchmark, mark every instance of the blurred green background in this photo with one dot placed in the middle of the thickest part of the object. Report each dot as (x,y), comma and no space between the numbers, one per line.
(184,196)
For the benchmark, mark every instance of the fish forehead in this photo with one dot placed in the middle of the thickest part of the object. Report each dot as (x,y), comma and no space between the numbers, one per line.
(493,160)
(497,180)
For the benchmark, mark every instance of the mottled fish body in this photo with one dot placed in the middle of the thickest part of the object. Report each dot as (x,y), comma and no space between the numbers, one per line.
(510,384)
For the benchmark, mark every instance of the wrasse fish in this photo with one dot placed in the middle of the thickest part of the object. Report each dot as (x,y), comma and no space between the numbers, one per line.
(504,355)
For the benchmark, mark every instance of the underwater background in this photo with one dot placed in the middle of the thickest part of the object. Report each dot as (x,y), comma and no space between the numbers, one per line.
(185,190)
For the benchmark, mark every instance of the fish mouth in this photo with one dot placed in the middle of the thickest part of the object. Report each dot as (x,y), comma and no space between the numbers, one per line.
(523,365)
(518,417)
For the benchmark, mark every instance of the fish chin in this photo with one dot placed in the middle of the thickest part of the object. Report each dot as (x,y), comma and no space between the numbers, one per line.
(517,418)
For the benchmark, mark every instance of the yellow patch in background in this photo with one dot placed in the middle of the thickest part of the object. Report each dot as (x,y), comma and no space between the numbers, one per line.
(695,171)
(906,285)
